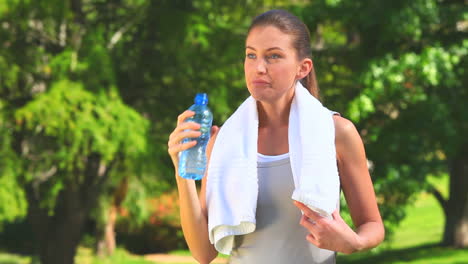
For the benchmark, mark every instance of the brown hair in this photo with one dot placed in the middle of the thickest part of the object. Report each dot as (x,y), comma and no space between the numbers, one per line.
(291,25)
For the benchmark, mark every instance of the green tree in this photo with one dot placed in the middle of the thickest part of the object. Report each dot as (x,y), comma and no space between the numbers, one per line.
(73,145)
(68,140)
(13,202)
(154,54)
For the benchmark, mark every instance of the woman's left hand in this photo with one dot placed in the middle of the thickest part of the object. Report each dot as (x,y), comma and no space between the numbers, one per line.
(332,234)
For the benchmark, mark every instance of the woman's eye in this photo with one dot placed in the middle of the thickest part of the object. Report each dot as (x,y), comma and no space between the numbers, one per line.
(274,56)
(251,56)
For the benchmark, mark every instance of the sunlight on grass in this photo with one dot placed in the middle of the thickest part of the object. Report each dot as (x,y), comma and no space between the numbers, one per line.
(180,252)
(187,253)
(423,224)
(120,256)
(6,258)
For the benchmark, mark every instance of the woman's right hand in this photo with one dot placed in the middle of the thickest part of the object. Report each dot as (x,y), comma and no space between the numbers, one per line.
(183,130)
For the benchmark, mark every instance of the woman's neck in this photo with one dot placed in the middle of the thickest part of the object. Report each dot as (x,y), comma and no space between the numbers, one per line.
(275,114)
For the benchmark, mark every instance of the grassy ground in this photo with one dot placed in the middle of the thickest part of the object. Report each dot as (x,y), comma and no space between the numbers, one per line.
(13,259)
(84,256)
(416,240)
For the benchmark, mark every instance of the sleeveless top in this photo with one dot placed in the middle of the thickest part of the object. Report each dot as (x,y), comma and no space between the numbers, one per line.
(278,237)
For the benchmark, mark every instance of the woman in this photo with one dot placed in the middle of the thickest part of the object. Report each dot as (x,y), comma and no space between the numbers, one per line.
(277,56)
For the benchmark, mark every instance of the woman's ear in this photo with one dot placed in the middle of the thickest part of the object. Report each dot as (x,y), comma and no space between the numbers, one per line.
(304,68)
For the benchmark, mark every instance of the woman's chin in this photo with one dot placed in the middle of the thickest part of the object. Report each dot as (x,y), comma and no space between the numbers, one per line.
(262,97)
(262,94)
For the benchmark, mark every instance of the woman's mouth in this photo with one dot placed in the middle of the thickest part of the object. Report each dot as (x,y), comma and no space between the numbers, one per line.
(260,82)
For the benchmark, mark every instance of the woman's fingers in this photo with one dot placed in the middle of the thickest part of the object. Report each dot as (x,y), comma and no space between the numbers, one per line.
(336,215)
(309,212)
(186,114)
(189,125)
(311,238)
(184,126)
(183,130)
(178,137)
(176,148)
(307,223)
(214,130)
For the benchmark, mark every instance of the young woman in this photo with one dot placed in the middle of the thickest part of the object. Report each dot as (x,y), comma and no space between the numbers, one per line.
(277,56)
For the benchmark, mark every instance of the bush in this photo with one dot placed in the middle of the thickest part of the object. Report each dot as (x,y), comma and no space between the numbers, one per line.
(161,233)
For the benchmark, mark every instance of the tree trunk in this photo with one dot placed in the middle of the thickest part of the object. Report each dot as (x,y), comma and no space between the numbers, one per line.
(61,243)
(456,210)
(57,235)
(107,241)
(106,245)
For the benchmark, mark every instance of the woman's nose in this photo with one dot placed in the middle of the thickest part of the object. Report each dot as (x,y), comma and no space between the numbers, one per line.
(261,66)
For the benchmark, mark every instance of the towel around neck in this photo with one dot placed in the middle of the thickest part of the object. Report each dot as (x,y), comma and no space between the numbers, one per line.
(232,184)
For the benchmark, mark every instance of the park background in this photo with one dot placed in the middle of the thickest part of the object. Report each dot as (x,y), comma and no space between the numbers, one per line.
(91,89)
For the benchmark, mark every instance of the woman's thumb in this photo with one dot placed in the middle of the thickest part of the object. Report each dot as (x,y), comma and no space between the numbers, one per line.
(336,215)
(214,130)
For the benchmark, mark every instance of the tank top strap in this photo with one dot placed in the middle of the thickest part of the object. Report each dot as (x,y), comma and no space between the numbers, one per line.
(334,112)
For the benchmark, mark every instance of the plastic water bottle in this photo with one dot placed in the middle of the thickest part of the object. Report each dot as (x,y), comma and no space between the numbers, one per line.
(192,162)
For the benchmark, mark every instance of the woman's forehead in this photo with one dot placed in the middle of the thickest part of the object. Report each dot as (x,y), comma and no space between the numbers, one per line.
(268,37)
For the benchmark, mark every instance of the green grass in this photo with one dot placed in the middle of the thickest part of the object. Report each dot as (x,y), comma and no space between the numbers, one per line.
(180,252)
(416,239)
(425,254)
(6,258)
(84,256)
(424,222)
(120,256)
(187,253)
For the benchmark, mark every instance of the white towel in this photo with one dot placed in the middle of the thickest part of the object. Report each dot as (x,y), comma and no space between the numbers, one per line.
(232,185)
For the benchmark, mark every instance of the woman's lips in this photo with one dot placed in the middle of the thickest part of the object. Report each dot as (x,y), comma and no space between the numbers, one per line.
(260,82)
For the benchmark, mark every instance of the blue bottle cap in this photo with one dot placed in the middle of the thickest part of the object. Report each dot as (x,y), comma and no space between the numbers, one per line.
(201,99)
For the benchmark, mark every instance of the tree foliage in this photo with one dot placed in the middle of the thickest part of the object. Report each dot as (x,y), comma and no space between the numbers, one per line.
(63,127)
(13,202)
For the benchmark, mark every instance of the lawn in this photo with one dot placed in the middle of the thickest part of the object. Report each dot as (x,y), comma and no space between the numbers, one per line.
(84,256)
(416,240)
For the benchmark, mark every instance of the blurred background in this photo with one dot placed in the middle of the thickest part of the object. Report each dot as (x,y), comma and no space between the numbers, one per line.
(91,89)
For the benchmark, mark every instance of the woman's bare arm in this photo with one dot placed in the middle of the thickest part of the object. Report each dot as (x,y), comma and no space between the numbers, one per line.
(193,214)
(357,184)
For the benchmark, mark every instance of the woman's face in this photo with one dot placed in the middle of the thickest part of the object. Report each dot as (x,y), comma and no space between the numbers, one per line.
(271,65)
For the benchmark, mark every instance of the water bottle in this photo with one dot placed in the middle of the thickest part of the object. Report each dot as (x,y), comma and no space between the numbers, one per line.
(192,162)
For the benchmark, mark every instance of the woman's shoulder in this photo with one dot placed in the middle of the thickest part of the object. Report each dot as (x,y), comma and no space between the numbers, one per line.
(343,127)
(347,138)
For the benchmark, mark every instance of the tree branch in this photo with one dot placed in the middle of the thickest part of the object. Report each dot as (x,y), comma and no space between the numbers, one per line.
(45,175)
(438,195)
(118,35)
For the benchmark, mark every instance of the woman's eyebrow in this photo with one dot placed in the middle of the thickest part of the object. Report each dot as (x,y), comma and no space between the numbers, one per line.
(272,48)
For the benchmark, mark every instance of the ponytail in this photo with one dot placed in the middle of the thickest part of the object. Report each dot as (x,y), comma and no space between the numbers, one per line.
(310,82)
